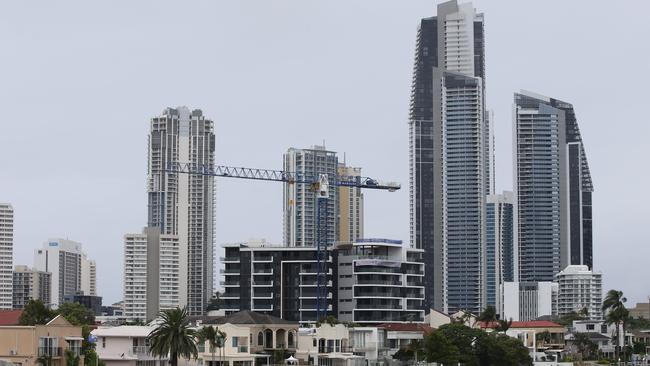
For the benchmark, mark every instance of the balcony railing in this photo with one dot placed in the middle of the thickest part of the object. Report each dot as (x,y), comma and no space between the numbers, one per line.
(140,350)
(49,351)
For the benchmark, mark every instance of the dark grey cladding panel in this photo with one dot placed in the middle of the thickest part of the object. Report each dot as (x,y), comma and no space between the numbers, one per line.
(453,80)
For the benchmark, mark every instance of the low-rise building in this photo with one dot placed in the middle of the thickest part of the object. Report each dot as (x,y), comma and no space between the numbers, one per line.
(125,345)
(326,344)
(267,334)
(368,342)
(398,336)
(236,349)
(539,336)
(24,345)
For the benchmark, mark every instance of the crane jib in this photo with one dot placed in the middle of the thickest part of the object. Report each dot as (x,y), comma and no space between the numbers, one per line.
(276,176)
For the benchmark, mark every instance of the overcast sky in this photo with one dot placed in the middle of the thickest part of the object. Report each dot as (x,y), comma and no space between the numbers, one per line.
(79,82)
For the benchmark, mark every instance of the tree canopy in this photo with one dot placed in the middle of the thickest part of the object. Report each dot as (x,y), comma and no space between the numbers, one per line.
(457,343)
(35,312)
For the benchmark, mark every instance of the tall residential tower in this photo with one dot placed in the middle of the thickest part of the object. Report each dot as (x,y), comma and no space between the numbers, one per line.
(183,204)
(350,210)
(300,202)
(450,162)
(6,255)
(553,187)
(499,245)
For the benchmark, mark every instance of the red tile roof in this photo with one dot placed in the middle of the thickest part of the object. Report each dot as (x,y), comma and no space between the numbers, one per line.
(406,327)
(10,317)
(528,324)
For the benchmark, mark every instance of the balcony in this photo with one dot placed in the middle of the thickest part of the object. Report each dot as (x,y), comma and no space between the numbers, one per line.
(263,271)
(230,272)
(263,283)
(139,351)
(229,259)
(49,351)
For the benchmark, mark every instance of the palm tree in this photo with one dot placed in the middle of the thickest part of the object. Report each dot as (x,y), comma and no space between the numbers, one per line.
(616,313)
(417,347)
(614,307)
(208,334)
(503,325)
(173,336)
(213,336)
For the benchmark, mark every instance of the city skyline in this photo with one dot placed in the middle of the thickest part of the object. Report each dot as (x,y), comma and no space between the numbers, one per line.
(72,146)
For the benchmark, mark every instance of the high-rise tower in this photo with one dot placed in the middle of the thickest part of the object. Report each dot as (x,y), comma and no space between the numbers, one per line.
(6,255)
(350,212)
(183,204)
(450,163)
(72,272)
(553,189)
(499,232)
(300,205)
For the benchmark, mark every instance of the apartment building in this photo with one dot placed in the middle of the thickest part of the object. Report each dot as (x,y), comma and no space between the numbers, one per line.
(499,246)
(553,189)
(183,204)
(6,255)
(350,210)
(275,280)
(31,284)
(151,274)
(450,157)
(580,288)
(379,281)
(68,265)
(524,301)
(300,202)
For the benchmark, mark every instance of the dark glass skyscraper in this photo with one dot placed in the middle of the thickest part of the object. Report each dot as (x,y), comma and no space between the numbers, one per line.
(553,189)
(450,165)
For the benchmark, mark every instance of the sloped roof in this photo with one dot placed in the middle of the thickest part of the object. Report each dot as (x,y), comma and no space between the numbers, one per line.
(250,317)
(123,331)
(10,317)
(59,320)
(406,327)
(526,324)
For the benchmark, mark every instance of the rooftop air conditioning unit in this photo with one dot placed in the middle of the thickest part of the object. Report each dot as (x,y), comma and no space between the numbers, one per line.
(13,352)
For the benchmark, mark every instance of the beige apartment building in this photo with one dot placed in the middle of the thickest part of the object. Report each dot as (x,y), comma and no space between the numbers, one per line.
(24,345)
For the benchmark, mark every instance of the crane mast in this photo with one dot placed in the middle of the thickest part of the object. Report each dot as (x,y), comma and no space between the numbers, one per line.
(319,184)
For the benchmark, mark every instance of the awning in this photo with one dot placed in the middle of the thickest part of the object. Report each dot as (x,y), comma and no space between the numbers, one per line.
(74,339)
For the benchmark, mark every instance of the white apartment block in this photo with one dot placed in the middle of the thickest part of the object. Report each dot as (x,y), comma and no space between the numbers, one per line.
(68,264)
(89,277)
(6,255)
(151,274)
(525,301)
(580,288)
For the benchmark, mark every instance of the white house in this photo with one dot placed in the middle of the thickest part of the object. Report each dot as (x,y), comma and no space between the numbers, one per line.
(125,345)
(326,345)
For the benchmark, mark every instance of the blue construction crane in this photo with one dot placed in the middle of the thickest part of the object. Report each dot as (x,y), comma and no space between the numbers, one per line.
(320,186)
